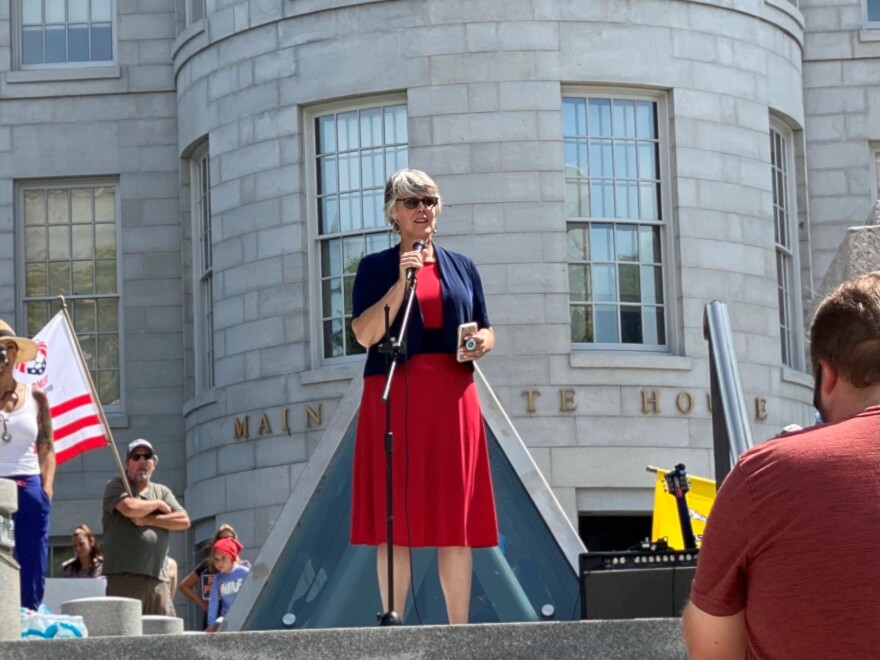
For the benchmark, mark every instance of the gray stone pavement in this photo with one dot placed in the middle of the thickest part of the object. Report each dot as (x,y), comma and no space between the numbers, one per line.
(644,639)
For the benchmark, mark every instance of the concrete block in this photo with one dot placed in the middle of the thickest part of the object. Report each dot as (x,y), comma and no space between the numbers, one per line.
(154,624)
(528,35)
(481,37)
(482,67)
(483,97)
(107,616)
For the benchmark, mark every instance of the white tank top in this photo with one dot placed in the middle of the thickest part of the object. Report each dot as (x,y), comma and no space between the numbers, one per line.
(18,457)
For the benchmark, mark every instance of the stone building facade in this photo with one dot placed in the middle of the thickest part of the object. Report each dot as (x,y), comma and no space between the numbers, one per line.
(610,165)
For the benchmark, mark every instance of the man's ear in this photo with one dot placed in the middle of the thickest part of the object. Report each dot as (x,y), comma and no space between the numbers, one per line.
(155,460)
(830,377)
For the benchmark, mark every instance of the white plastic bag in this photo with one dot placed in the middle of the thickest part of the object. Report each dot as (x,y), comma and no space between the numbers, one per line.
(42,624)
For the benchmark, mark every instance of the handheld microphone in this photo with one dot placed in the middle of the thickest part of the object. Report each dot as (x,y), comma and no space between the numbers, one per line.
(418,246)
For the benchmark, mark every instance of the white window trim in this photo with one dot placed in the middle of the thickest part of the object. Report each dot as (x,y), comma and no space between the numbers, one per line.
(118,410)
(869,25)
(670,267)
(796,312)
(203,371)
(18,65)
(312,235)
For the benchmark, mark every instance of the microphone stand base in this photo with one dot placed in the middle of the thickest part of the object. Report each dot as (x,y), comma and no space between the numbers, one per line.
(391,618)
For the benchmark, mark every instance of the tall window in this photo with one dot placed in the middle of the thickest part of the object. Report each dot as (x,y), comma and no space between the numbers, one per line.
(70,250)
(66,31)
(356,150)
(872,13)
(614,213)
(203,271)
(786,244)
(195,11)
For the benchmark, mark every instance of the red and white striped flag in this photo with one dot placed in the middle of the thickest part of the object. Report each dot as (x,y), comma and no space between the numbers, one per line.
(59,372)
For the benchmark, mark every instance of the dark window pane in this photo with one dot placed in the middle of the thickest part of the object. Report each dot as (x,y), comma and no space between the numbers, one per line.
(631,324)
(332,297)
(579,282)
(325,127)
(652,326)
(333,338)
(32,46)
(85,316)
(108,351)
(652,284)
(56,44)
(37,316)
(83,277)
(102,43)
(581,324)
(649,245)
(331,258)
(629,283)
(59,278)
(108,315)
(108,387)
(78,43)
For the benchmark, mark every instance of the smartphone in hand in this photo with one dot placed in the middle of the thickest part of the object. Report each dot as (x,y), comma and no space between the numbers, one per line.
(464,331)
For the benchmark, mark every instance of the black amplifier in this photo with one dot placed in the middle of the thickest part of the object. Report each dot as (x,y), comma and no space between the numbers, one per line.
(635,584)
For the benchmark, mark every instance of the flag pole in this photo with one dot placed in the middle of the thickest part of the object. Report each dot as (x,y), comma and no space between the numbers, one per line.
(108,434)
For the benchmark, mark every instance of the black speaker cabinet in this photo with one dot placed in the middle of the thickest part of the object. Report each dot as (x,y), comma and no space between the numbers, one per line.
(631,585)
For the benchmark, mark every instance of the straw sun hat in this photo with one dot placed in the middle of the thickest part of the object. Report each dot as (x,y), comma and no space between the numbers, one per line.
(27,349)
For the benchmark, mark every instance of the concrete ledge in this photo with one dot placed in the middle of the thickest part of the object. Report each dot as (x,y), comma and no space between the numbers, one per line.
(640,639)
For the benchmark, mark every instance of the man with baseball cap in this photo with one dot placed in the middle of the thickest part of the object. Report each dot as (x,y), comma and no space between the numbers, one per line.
(136,531)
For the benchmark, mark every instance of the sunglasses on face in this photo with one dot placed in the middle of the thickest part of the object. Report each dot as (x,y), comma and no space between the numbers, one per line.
(137,457)
(413,202)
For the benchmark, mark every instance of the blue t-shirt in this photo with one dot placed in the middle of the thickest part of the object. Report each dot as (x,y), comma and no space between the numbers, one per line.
(224,589)
(461,291)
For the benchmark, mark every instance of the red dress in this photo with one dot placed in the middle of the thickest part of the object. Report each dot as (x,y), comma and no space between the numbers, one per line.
(442,483)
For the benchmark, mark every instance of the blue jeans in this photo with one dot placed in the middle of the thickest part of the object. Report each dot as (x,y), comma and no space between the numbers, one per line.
(31,538)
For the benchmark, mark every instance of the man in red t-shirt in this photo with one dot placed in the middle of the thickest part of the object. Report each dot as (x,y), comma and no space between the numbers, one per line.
(790,561)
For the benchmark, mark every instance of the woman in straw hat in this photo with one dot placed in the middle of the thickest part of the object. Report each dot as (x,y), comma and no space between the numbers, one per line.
(27,457)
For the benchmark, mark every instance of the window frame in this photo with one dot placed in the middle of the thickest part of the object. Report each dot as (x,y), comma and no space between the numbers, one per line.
(668,263)
(21,276)
(204,358)
(874,168)
(796,347)
(314,237)
(868,23)
(18,43)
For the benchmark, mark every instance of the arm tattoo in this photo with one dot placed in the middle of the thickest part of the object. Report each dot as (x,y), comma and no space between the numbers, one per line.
(45,439)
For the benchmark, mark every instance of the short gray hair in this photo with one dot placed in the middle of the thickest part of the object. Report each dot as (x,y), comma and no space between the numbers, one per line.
(409,183)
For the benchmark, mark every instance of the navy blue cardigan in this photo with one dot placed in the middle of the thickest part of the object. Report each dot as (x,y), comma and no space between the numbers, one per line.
(460,287)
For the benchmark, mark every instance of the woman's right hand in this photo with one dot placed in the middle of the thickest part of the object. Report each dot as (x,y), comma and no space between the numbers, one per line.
(411,259)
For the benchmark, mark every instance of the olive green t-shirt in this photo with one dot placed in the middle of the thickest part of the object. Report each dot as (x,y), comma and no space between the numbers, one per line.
(127,547)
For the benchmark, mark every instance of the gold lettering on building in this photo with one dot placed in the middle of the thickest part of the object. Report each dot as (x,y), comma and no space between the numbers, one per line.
(265,426)
(650,401)
(684,402)
(709,401)
(285,422)
(760,408)
(566,401)
(313,416)
(531,395)
(241,428)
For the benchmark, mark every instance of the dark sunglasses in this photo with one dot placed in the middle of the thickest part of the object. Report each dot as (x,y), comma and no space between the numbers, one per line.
(137,457)
(413,202)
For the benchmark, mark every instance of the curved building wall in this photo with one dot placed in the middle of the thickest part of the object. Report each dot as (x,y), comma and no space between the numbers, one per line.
(483,83)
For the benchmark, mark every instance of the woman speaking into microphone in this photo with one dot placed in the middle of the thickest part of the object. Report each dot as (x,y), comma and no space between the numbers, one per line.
(442,484)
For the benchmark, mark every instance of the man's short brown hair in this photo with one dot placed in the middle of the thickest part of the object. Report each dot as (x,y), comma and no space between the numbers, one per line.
(846,330)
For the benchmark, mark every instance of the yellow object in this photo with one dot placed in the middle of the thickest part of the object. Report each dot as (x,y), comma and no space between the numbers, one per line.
(665,520)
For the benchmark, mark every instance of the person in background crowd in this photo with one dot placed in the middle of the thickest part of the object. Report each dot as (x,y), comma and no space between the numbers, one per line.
(87,561)
(169,575)
(196,586)
(790,561)
(447,501)
(227,581)
(137,531)
(27,457)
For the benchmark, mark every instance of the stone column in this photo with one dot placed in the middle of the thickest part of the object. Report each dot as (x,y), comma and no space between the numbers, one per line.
(107,616)
(10,619)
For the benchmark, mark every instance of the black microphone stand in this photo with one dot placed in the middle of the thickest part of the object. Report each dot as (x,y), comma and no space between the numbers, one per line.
(392,348)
